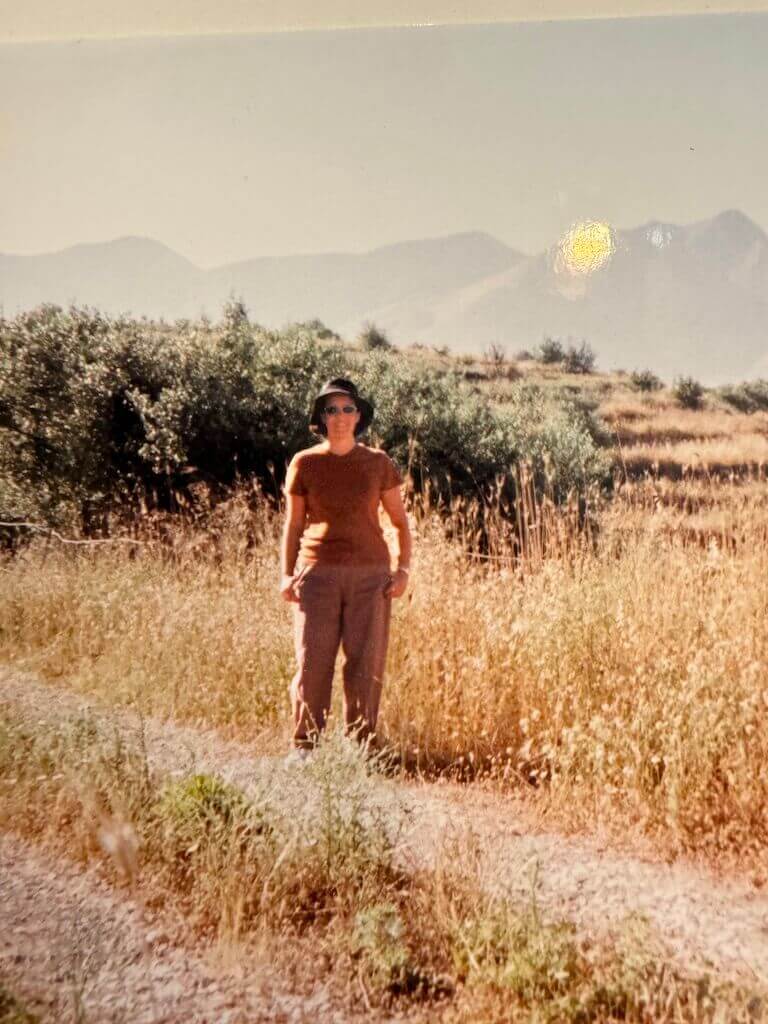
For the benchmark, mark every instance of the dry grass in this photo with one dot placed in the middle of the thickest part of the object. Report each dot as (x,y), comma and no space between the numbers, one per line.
(657,420)
(628,684)
(709,455)
(193,631)
(620,680)
(655,435)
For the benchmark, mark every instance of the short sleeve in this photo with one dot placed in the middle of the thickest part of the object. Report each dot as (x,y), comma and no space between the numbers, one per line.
(392,476)
(294,481)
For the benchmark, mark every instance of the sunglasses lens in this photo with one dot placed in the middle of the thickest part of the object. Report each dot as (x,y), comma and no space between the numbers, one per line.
(334,410)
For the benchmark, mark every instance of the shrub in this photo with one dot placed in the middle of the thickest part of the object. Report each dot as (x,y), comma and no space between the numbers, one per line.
(688,392)
(749,397)
(496,355)
(96,413)
(434,424)
(319,329)
(442,430)
(579,359)
(200,801)
(551,351)
(379,939)
(235,314)
(645,380)
(558,433)
(100,416)
(372,338)
(510,950)
(524,355)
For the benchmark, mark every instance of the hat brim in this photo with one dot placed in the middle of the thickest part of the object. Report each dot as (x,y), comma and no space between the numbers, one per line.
(365,407)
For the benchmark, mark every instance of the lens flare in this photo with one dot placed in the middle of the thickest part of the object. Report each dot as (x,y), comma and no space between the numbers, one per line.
(587,246)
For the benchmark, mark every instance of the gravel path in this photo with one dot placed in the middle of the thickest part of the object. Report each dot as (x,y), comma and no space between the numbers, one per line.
(701,921)
(75,950)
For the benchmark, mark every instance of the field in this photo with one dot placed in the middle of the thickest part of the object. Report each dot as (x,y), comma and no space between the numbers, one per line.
(604,681)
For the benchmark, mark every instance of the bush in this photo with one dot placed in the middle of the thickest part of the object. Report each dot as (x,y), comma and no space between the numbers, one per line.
(433,423)
(645,380)
(373,338)
(551,351)
(98,413)
(235,314)
(749,397)
(524,355)
(200,802)
(558,433)
(100,416)
(446,432)
(688,392)
(202,809)
(495,354)
(579,359)
(319,329)
(379,940)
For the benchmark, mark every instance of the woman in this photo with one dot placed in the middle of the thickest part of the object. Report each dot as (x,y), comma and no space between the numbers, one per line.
(335,564)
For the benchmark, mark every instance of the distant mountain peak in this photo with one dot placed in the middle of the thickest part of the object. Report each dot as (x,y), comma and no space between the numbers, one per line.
(133,244)
(475,239)
(735,218)
(731,224)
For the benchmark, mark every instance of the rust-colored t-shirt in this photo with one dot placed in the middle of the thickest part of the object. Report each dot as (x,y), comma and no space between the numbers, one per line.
(342,494)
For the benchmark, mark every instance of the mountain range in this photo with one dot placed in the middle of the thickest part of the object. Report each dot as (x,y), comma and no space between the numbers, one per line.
(678,299)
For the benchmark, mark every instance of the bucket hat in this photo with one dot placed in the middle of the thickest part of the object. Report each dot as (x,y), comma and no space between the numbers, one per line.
(340,385)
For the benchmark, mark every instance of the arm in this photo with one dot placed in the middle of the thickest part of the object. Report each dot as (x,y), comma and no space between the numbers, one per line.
(295,514)
(392,501)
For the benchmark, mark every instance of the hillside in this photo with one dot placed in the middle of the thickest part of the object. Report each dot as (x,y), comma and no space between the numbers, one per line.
(675,298)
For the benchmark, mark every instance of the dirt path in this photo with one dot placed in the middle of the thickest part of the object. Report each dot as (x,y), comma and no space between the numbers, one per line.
(701,921)
(75,950)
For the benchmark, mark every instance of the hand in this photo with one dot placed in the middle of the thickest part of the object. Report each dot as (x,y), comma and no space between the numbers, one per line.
(287,591)
(396,585)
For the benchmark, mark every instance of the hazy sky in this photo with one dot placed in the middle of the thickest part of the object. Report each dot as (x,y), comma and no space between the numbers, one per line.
(229,147)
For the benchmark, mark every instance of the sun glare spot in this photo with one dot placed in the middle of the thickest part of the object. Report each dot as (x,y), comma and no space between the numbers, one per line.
(586,246)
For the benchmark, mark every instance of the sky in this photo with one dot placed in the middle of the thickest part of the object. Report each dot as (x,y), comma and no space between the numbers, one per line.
(230,147)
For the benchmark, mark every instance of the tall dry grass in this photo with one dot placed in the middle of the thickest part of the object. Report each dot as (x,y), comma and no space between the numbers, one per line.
(654,434)
(616,675)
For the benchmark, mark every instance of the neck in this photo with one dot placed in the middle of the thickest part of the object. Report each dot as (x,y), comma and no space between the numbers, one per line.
(340,447)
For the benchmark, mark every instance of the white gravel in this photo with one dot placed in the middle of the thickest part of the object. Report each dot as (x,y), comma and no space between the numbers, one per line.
(72,949)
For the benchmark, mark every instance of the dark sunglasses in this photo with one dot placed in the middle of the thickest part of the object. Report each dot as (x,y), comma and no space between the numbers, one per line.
(334,410)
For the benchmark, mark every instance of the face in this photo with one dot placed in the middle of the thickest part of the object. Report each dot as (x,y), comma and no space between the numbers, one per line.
(340,426)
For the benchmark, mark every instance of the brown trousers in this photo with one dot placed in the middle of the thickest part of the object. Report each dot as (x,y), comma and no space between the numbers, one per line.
(339,604)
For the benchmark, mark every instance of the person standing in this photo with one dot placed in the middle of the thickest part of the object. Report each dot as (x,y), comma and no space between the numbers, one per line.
(335,565)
